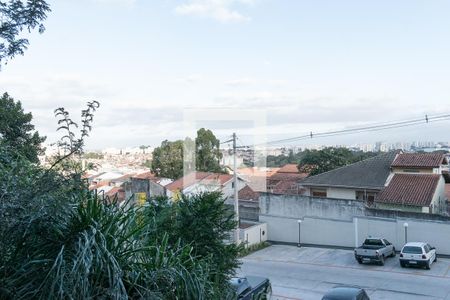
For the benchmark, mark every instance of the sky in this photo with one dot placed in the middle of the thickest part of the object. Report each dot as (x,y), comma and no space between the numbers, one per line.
(304,65)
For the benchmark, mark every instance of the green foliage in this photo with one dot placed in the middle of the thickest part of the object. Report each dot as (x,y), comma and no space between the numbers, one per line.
(15,16)
(93,155)
(253,248)
(330,158)
(60,241)
(208,154)
(205,222)
(168,158)
(273,161)
(17,131)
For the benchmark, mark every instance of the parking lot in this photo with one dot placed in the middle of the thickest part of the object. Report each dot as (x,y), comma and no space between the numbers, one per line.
(307,273)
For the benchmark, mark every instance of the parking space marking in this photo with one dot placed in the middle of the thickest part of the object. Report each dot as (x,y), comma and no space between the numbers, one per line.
(448,270)
(284,297)
(354,268)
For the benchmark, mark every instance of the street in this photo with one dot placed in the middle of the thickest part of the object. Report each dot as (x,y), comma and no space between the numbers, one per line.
(307,273)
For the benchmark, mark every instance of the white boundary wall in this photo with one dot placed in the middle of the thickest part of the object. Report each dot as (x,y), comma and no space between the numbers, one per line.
(343,233)
(254,235)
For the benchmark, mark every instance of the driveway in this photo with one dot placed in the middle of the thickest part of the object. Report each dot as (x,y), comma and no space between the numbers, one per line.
(307,273)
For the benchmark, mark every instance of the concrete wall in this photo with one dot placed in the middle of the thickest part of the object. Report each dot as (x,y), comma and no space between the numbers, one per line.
(333,192)
(301,206)
(416,170)
(438,203)
(254,235)
(329,232)
(340,193)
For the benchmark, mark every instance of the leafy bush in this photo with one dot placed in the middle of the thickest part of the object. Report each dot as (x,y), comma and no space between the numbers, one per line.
(60,241)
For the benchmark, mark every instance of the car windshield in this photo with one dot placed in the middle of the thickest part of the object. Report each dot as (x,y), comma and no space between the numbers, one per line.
(412,250)
(373,242)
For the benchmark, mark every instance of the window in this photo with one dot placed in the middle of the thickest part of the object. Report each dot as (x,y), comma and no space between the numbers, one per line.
(411,171)
(427,248)
(412,250)
(319,193)
(365,196)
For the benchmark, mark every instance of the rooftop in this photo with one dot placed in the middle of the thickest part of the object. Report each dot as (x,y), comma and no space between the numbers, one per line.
(247,193)
(198,177)
(410,189)
(370,173)
(419,160)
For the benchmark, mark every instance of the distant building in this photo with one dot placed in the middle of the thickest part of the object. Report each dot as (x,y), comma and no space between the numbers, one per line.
(416,184)
(286,181)
(359,181)
(197,182)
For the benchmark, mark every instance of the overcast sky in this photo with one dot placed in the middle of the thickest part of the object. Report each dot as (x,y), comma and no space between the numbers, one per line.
(311,65)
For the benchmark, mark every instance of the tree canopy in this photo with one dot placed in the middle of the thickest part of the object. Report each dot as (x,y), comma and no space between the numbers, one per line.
(208,154)
(16,129)
(330,158)
(16,16)
(168,158)
(61,241)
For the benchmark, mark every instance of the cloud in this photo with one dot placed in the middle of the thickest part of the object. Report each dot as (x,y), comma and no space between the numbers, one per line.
(223,11)
(119,2)
(190,79)
(241,82)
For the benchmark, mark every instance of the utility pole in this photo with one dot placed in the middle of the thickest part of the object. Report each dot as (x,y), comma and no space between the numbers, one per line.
(235,181)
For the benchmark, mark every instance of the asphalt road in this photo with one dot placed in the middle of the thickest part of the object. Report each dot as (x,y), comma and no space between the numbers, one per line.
(307,273)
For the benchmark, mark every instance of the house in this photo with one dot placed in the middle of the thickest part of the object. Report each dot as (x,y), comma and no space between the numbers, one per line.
(197,182)
(427,163)
(286,181)
(416,184)
(144,186)
(358,181)
(413,192)
(248,204)
(256,177)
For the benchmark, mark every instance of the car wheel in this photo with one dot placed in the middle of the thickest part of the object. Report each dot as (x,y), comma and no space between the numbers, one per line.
(382,260)
(402,264)
(359,260)
(267,293)
(427,266)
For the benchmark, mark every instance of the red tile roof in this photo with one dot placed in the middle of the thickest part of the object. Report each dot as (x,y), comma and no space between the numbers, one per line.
(288,168)
(205,177)
(261,172)
(419,160)
(247,193)
(410,189)
(447,191)
(146,175)
(287,188)
(287,176)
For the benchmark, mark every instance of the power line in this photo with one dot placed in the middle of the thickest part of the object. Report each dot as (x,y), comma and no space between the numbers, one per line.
(369,128)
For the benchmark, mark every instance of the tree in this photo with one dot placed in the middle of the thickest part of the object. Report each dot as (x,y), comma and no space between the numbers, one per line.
(61,241)
(168,159)
(17,131)
(15,16)
(208,153)
(205,222)
(330,158)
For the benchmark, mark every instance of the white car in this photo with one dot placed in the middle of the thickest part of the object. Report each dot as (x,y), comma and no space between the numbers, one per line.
(417,254)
